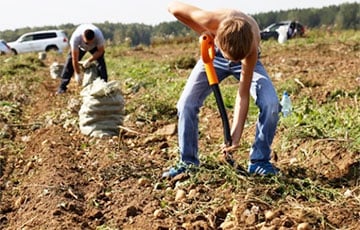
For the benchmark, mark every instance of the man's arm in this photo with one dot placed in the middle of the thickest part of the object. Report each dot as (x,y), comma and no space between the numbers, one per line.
(197,19)
(243,96)
(99,52)
(75,60)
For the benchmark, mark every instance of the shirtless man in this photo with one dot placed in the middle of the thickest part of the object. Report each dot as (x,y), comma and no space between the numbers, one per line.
(237,39)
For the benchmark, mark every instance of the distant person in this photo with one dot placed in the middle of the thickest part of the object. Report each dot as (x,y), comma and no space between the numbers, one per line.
(291,31)
(237,37)
(85,38)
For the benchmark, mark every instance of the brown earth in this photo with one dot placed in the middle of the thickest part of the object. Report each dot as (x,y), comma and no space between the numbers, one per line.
(54,177)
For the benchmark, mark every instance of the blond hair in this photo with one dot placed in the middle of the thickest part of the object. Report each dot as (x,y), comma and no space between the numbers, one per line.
(235,37)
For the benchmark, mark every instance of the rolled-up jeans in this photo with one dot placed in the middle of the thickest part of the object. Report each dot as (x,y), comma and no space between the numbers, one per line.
(197,89)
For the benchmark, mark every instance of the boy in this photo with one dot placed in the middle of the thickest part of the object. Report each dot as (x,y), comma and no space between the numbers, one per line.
(237,39)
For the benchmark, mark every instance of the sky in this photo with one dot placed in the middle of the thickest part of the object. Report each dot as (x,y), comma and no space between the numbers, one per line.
(36,13)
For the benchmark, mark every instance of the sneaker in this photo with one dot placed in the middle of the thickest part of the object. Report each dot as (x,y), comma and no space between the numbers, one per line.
(262,168)
(179,168)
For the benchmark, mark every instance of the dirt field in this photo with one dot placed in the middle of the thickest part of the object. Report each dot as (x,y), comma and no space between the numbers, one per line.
(53,177)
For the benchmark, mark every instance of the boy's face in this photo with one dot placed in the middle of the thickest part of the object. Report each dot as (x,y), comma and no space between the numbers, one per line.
(224,53)
(234,38)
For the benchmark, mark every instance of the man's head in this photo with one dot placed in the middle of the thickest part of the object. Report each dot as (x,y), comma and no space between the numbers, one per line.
(234,37)
(89,35)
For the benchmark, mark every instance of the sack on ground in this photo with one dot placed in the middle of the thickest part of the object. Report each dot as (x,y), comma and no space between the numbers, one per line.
(55,70)
(102,110)
(90,74)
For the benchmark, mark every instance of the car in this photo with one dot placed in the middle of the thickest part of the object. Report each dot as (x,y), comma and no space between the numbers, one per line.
(4,48)
(40,41)
(293,29)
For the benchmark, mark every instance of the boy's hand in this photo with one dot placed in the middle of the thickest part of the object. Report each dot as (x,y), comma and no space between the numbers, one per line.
(229,149)
(227,154)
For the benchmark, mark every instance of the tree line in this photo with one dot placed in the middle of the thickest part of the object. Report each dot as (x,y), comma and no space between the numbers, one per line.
(344,16)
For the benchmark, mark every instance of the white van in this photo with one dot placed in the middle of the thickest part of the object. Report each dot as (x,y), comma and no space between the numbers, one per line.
(40,41)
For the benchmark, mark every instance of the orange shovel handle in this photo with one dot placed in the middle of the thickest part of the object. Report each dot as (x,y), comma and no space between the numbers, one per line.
(207,55)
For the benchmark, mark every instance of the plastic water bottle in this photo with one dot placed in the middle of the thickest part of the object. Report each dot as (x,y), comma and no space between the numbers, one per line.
(286,104)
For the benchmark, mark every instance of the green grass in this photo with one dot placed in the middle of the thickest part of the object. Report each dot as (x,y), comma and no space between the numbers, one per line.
(329,121)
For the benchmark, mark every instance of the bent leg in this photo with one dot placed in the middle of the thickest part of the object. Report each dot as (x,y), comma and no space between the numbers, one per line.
(196,90)
(66,73)
(263,91)
(101,67)
(68,70)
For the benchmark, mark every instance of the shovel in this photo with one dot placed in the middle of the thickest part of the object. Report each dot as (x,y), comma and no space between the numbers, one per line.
(208,54)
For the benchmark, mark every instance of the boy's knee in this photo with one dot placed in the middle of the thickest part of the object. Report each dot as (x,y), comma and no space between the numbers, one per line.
(187,108)
(272,109)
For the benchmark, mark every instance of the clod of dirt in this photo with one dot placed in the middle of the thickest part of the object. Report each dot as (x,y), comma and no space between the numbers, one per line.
(180,195)
(269,215)
(144,182)
(227,225)
(132,211)
(303,226)
(159,214)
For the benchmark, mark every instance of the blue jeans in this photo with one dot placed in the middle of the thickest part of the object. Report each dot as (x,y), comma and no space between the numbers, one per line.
(197,89)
